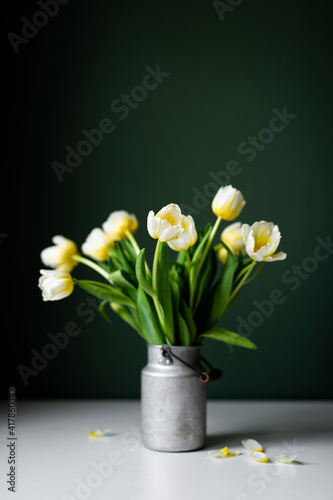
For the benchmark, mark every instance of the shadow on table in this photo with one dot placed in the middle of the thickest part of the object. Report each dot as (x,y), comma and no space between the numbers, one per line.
(283,435)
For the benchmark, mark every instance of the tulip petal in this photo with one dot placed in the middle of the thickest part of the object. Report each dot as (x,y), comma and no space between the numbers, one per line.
(277,256)
(258,456)
(246,231)
(285,459)
(252,445)
(169,233)
(98,433)
(223,453)
(153,225)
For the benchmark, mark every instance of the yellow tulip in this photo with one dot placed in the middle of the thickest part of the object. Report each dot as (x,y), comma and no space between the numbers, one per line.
(228,203)
(55,285)
(119,222)
(60,255)
(97,243)
(261,240)
(187,236)
(166,224)
(232,236)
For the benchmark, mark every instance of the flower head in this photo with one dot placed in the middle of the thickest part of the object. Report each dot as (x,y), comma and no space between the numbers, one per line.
(186,237)
(232,236)
(228,203)
(55,285)
(60,255)
(119,222)
(261,241)
(166,224)
(97,243)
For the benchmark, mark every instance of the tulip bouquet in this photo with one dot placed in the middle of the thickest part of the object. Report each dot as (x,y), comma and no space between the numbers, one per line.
(180,298)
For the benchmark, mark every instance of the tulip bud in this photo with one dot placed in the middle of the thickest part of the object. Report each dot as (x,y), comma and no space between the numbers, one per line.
(97,243)
(119,222)
(60,255)
(55,285)
(261,240)
(166,224)
(228,203)
(232,236)
(187,235)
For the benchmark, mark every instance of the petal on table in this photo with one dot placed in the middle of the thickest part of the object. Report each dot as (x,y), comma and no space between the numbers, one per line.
(223,453)
(259,456)
(98,433)
(252,445)
(285,459)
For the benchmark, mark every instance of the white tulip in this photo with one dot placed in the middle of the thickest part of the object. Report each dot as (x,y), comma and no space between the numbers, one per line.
(228,203)
(120,221)
(187,235)
(261,241)
(60,255)
(55,285)
(97,243)
(166,224)
(232,236)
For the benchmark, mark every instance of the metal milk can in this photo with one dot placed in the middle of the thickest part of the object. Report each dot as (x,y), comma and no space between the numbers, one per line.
(173,398)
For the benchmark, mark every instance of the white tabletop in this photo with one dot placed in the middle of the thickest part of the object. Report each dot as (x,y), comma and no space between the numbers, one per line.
(56,458)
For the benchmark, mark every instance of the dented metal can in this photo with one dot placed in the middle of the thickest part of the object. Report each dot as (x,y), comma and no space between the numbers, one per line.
(173,400)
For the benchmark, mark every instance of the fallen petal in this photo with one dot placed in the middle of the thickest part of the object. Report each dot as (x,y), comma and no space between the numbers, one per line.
(252,445)
(259,456)
(223,453)
(98,433)
(285,459)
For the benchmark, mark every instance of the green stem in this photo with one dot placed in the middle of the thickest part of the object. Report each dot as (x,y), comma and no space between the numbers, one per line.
(133,241)
(242,282)
(137,249)
(209,242)
(198,269)
(157,249)
(188,259)
(157,303)
(91,264)
(255,274)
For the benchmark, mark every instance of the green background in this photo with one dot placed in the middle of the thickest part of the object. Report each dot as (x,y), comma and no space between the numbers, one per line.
(225,77)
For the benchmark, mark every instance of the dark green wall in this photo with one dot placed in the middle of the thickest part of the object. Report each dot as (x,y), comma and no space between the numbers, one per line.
(225,78)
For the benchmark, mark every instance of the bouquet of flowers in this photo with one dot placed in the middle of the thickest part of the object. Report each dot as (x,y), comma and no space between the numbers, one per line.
(176,301)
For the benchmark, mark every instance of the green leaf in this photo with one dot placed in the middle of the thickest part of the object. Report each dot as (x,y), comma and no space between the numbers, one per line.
(229,337)
(196,259)
(129,251)
(181,257)
(103,313)
(163,290)
(104,292)
(205,278)
(119,281)
(188,317)
(219,295)
(114,260)
(128,315)
(126,264)
(198,251)
(148,320)
(140,270)
(185,328)
(183,331)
